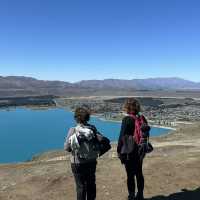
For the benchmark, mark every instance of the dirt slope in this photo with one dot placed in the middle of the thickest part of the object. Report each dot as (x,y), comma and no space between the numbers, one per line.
(171,172)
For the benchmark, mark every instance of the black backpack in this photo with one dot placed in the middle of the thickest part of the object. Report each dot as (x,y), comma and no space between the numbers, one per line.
(102,141)
(104,144)
(129,148)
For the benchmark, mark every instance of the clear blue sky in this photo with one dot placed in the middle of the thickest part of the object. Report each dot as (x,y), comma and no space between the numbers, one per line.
(73,40)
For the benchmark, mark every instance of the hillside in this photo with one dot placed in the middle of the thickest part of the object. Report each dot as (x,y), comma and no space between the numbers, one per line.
(171,172)
(26,86)
(142,84)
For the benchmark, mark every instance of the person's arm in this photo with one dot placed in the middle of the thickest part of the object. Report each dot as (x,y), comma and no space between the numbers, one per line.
(127,127)
(67,145)
(145,127)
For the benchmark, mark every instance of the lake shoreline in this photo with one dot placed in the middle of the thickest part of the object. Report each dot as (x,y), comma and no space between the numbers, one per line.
(31,107)
(59,112)
(118,121)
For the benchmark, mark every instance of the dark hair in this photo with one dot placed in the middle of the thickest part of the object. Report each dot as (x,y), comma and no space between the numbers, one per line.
(132,105)
(82,115)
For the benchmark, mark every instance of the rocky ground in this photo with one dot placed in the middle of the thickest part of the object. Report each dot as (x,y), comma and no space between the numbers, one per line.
(171,172)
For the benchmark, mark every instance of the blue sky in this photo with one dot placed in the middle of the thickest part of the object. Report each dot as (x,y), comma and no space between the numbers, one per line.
(73,40)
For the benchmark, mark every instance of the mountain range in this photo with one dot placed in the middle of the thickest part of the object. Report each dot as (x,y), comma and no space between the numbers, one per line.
(22,86)
(142,84)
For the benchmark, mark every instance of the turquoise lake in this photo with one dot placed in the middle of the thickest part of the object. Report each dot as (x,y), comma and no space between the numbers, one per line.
(25,132)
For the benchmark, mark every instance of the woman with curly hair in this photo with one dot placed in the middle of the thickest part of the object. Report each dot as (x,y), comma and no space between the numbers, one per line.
(81,143)
(130,139)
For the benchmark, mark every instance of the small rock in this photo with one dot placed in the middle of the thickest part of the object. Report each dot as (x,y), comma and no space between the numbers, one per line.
(107,193)
(103,186)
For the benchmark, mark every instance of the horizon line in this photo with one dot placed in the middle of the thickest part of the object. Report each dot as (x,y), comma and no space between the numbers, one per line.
(37,78)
